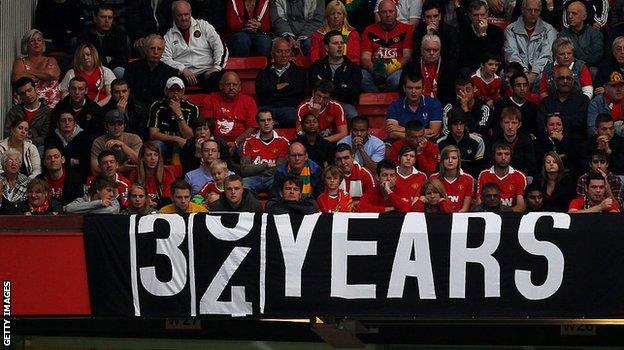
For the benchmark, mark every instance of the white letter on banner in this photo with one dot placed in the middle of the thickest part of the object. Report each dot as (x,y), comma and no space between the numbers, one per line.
(168,247)
(413,236)
(294,250)
(238,306)
(341,249)
(461,254)
(554,256)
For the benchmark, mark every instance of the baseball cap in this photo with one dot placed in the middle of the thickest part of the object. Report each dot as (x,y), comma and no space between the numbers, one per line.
(616,78)
(174,81)
(113,115)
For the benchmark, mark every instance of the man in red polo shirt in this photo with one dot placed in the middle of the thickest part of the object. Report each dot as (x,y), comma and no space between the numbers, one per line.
(427,152)
(234,113)
(511,182)
(332,124)
(596,200)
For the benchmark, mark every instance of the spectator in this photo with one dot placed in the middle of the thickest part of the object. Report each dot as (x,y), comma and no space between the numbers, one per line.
(153,175)
(191,153)
(490,199)
(14,183)
(134,113)
(459,186)
(32,110)
(384,199)
(262,153)
(197,178)
(148,76)
(329,113)
(87,114)
(87,65)
(518,98)
(249,24)
(213,12)
(334,199)
(361,13)
(60,21)
(108,164)
(409,180)
(296,21)
(319,149)
(470,145)
(414,106)
(534,198)
(18,140)
(599,162)
(194,48)
(236,198)
(611,102)
(486,82)
(511,182)
(437,73)
(369,149)
(212,190)
(613,63)
(605,139)
(100,199)
(356,180)
(432,24)
(564,54)
(596,199)
(557,188)
(141,21)
(570,103)
(477,113)
(529,40)
(125,145)
(386,47)
(515,68)
(299,165)
(597,16)
(345,75)
(233,112)
(477,36)
(181,200)
(109,39)
(42,70)
(65,185)
(291,201)
(556,141)
(335,20)
(427,152)
(586,39)
(432,198)
(138,201)
(523,156)
(169,118)
(280,86)
(408,12)
(38,201)
(74,142)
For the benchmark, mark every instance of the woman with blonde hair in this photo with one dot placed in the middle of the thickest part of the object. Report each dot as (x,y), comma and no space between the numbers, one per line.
(432,198)
(138,201)
(43,70)
(152,173)
(459,186)
(336,19)
(87,64)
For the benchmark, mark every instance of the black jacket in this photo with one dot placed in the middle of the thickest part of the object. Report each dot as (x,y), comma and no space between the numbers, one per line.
(113,44)
(472,47)
(79,148)
(616,158)
(136,116)
(448,37)
(249,203)
(529,116)
(58,22)
(347,79)
(563,193)
(573,111)
(523,154)
(303,206)
(290,96)
(567,150)
(148,85)
(89,118)
(446,78)
(140,20)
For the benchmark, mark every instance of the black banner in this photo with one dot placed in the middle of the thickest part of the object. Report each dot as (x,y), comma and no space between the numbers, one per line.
(457,266)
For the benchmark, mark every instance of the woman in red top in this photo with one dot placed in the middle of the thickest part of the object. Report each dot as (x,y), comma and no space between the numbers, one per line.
(248,24)
(87,64)
(432,198)
(153,175)
(336,19)
(458,185)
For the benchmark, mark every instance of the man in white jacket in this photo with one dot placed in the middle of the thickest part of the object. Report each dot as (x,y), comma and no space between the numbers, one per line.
(194,48)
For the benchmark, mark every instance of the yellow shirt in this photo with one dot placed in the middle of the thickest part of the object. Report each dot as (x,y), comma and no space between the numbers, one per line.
(192,208)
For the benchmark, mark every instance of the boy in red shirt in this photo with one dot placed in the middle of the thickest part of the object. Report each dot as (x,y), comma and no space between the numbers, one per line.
(333,199)
(213,190)
(487,83)
(409,179)
(332,124)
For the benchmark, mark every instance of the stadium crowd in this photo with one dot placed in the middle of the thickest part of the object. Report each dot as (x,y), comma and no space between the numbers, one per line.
(498,105)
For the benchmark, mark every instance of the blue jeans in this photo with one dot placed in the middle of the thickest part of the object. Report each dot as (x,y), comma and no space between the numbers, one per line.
(245,44)
(258,184)
(285,116)
(369,82)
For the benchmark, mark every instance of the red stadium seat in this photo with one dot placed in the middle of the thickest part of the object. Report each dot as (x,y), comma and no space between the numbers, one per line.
(248,87)
(374,105)
(379,132)
(288,133)
(302,61)
(499,22)
(195,98)
(247,68)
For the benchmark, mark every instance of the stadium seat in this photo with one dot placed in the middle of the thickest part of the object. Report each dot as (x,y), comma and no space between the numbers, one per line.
(288,133)
(247,68)
(378,132)
(499,22)
(195,98)
(374,105)
(302,61)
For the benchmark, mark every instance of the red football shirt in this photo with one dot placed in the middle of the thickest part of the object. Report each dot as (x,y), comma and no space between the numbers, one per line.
(387,44)
(329,118)
(265,152)
(231,117)
(56,186)
(458,189)
(429,73)
(409,186)
(487,90)
(123,185)
(427,161)
(357,183)
(210,187)
(511,185)
(580,203)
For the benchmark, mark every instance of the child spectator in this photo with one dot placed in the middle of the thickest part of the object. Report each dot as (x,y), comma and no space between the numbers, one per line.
(333,199)
(213,190)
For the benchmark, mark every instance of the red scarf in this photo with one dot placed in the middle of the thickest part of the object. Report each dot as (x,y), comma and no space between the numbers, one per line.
(40,209)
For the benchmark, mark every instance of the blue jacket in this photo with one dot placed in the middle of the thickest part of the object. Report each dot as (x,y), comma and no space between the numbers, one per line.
(282,173)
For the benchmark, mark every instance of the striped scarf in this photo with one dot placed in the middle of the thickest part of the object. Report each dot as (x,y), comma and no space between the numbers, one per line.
(306,179)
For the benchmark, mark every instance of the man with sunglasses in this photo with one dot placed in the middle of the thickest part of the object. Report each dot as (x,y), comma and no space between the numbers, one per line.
(599,162)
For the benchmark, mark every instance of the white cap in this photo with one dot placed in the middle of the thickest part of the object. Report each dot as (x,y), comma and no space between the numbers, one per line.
(174,81)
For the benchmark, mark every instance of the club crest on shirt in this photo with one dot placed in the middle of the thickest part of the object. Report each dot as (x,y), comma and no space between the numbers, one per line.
(511,187)
(197,34)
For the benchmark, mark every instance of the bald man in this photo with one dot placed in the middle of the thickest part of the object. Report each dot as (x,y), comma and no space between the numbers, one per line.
(194,48)
(298,165)
(234,113)
(587,40)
